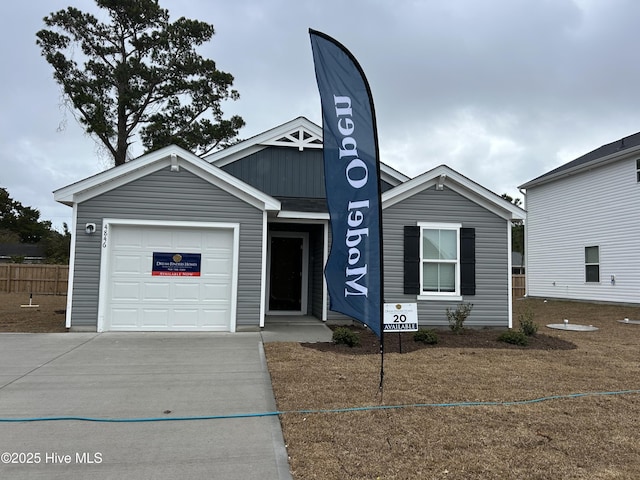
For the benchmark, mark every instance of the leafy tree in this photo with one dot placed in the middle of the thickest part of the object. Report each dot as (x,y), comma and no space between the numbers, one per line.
(20,224)
(20,220)
(58,246)
(140,75)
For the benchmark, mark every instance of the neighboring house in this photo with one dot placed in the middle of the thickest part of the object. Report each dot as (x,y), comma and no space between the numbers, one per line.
(582,227)
(247,230)
(21,253)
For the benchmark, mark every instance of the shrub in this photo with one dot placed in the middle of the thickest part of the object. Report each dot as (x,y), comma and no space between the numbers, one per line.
(425,335)
(526,323)
(513,337)
(345,336)
(458,316)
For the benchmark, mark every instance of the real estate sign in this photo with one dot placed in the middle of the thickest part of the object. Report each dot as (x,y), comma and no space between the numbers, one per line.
(176,264)
(400,317)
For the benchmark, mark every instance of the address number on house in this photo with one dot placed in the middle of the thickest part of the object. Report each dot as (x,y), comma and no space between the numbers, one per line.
(400,317)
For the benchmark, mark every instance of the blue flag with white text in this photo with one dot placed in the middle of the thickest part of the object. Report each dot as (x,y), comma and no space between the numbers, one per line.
(352,171)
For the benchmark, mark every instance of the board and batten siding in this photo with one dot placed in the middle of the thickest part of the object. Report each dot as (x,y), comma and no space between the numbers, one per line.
(491,301)
(284,172)
(594,208)
(171,196)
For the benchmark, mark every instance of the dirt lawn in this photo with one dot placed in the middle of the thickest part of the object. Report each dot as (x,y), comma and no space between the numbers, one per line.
(49,316)
(581,437)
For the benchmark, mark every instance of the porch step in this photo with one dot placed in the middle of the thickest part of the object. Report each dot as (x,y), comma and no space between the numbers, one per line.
(298,320)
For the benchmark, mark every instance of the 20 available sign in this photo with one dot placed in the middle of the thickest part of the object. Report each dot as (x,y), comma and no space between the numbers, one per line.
(400,317)
(176,264)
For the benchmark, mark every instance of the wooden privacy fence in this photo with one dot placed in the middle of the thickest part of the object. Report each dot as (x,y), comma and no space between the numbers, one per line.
(40,279)
(518,285)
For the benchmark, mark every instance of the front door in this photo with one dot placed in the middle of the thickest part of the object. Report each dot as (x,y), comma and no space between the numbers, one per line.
(287,273)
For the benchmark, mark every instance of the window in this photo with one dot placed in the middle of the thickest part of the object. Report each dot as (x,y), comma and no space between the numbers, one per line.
(592,264)
(439,259)
(638,170)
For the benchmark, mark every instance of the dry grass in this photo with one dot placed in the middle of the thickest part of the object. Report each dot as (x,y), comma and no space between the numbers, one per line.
(593,437)
(48,317)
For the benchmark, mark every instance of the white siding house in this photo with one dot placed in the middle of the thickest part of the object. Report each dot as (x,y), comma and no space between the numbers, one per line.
(583,228)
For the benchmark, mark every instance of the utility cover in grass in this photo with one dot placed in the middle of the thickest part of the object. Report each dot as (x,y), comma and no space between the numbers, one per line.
(626,320)
(572,326)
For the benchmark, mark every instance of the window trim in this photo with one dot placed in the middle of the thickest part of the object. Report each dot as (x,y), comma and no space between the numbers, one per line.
(591,282)
(426,295)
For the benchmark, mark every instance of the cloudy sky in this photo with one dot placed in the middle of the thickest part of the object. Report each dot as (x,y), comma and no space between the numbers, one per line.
(500,90)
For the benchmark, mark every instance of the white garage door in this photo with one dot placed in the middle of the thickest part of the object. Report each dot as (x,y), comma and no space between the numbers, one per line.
(138,300)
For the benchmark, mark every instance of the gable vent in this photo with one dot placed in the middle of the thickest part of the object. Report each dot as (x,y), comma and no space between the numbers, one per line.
(299,138)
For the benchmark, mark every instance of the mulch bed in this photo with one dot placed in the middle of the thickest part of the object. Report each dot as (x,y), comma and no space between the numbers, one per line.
(469,339)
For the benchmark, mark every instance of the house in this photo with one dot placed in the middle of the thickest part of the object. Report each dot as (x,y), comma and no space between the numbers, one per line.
(174,242)
(582,227)
(21,253)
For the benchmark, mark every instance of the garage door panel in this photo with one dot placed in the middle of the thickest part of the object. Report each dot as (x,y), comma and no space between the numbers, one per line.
(214,317)
(154,318)
(130,238)
(125,291)
(139,301)
(216,292)
(216,266)
(157,291)
(187,317)
(188,239)
(124,317)
(157,238)
(127,264)
(184,292)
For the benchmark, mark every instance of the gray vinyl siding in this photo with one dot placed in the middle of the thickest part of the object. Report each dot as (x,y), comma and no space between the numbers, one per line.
(491,301)
(284,172)
(171,196)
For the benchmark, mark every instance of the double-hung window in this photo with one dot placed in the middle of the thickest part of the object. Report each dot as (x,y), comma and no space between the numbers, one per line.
(440,259)
(592,264)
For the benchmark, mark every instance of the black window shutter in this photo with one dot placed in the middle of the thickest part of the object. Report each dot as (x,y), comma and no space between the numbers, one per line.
(411,260)
(468,261)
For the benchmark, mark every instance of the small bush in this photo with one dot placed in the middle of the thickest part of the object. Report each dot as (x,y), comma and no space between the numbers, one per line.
(515,338)
(425,335)
(526,323)
(458,316)
(345,336)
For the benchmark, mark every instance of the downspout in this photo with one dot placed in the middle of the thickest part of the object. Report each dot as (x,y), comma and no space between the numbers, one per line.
(72,265)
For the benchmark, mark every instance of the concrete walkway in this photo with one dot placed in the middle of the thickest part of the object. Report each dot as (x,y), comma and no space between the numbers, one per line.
(134,376)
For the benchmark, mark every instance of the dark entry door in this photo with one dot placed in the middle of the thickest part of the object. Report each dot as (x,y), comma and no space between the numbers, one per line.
(285,279)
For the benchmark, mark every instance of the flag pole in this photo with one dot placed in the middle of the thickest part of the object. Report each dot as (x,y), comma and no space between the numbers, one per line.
(381,313)
(350,135)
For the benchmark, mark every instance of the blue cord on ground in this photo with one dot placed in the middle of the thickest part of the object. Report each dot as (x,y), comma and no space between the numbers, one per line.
(333,410)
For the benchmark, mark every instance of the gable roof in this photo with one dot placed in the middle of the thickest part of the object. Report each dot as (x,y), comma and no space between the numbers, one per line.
(444,175)
(171,156)
(603,155)
(298,133)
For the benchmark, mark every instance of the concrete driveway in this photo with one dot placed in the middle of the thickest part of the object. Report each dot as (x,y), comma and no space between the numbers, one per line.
(133,376)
